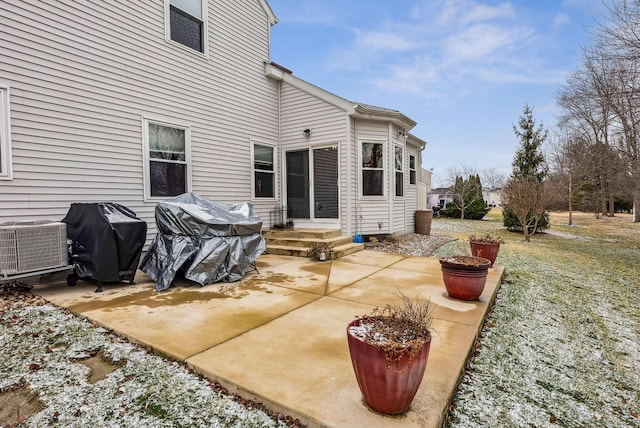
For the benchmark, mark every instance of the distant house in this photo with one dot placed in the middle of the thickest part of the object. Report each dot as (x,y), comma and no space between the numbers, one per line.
(136,102)
(439,197)
(442,196)
(492,197)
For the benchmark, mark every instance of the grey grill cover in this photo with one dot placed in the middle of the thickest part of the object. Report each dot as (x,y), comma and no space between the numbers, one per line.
(207,241)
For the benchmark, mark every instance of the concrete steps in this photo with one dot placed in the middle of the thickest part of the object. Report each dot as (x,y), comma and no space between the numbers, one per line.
(298,242)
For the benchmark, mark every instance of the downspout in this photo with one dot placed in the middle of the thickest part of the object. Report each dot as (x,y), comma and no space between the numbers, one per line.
(280,151)
(391,167)
(405,176)
(350,144)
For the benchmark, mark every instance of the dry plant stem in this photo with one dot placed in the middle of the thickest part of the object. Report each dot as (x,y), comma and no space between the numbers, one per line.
(401,329)
(486,239)
(465,260)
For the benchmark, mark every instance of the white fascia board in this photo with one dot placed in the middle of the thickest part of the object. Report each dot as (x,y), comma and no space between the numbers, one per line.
(273,19)
(273,72)
(393,116)
(278,73)
(412,139)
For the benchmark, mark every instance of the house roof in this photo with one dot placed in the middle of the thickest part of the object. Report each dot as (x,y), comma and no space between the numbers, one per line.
(415,140)
(367,111)
(352,108)
(273,19)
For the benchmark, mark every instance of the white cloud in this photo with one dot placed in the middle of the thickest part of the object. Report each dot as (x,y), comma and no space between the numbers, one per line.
(560,20)
(447,50)
(383,40)
(462,12)
(480,42)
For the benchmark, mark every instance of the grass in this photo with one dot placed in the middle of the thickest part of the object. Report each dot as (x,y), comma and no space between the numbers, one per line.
(144,390)
(560,347)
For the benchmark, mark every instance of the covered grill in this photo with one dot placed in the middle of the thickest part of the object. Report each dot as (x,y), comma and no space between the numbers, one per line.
(106,242)
(203,240)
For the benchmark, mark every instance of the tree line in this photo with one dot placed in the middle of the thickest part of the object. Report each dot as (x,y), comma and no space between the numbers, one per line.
(593,161)
(595,153)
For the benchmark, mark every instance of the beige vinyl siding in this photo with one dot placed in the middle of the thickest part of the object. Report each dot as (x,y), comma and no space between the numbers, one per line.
(349,214)
(411,192)
(328,124)
(300,110)
(84,74)
(398,203)
(374,210)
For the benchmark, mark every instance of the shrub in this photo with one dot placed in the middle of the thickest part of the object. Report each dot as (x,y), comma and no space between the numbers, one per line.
(510,221)
(476,211)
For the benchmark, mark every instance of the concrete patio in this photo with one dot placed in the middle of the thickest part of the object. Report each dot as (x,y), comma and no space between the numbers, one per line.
(279,336)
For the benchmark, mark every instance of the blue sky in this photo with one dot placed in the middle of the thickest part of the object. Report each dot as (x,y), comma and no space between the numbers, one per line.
(462,69)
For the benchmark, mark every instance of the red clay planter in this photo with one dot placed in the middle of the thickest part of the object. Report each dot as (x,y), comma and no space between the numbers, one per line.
(387,386)
(464,276)
(485,250)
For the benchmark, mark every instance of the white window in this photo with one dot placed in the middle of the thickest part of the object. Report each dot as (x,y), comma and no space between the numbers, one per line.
(263,171)
(5,135)
(412,169)
(372,168)
(186,23)
(167,158)
(398,167)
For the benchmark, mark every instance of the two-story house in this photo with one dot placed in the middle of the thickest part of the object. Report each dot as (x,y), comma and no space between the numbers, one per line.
(136,102)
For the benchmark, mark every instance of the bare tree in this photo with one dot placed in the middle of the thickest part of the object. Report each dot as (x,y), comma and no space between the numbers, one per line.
(602,104)
(620,54)
(562,166)
(493,178)
(529,200)
(586,100)
(623,29)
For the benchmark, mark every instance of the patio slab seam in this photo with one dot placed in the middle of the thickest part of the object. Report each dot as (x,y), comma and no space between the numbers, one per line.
(266,323)
(319,296)
(317,310)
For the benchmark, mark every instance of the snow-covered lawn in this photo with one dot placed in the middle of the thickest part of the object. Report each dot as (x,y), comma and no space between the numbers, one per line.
(561,345)
(42,348)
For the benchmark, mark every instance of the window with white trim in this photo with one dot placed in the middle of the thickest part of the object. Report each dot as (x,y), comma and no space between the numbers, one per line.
(167,156)
(412,169)
(264,177)
(399,171)
(186,23)
(372,168)
(5,134)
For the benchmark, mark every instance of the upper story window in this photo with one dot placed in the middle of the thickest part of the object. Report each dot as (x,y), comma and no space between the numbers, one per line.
(372,168)
(187,23)
(263,171)
(398,167)
(412,169)
(167,159)
(5,135)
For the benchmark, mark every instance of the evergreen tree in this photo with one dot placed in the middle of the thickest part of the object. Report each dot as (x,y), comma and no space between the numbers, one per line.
(528,164)
(467,201)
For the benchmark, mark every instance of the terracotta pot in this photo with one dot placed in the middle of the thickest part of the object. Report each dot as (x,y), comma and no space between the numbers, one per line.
(485,250)
(464,279)
(387,388)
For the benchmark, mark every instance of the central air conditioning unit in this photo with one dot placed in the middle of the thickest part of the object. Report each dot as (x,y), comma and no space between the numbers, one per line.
(32,246)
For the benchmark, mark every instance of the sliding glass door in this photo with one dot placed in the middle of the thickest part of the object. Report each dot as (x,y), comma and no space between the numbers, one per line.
(312,183)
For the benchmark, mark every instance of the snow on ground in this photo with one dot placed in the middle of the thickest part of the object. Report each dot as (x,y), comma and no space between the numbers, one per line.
(561,345)
(145,390)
